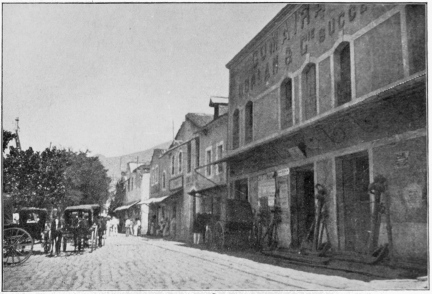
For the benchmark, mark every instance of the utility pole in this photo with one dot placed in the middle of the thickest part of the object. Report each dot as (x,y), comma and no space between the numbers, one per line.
(17,140)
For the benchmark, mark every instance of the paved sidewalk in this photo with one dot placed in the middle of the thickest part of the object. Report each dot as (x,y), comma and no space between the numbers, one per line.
(135,263)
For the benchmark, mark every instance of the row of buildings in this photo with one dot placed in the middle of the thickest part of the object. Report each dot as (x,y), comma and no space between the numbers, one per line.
(330,94)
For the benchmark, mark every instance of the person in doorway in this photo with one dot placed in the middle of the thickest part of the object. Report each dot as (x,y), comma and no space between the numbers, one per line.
(197,229)
(166,230)
(172,228)
(153,226)
(128,227)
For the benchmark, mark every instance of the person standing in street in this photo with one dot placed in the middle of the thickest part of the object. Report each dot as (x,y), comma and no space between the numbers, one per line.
(115,223)
(128,227)
(56,233)
(137,226)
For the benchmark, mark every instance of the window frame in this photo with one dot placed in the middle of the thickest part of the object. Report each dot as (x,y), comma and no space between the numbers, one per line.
(248,122)
(208,160)
(219,167)
(164,180)
(236,129)
(173,164)
(180,162)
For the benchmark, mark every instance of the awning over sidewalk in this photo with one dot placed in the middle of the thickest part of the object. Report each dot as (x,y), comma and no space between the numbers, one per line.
(160,199)
(153,200)
(126,206)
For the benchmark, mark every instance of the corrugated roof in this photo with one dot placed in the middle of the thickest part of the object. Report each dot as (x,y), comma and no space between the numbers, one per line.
(199,119)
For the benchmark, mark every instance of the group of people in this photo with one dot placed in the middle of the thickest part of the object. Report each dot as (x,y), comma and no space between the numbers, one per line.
(112,226)
(165,228)
(80,225)
(133,227)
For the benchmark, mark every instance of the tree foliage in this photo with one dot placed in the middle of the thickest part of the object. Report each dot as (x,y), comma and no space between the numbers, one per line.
(120,194)
(7,137)
(54,178)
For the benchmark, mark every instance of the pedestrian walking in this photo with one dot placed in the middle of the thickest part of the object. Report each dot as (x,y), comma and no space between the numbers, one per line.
(128,227)
(101,229)
(115,223)
(109,226)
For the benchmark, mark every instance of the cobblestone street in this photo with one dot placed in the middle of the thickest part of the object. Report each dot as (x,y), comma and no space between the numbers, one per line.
(146,264)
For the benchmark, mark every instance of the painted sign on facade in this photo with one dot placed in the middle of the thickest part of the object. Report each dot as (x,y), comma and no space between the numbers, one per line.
(176,183)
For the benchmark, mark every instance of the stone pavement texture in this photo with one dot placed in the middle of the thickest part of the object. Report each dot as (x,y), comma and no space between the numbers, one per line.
(136,263)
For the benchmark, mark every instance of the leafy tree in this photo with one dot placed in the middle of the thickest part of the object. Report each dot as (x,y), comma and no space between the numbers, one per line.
(54,178)
(120,194)
(7,137)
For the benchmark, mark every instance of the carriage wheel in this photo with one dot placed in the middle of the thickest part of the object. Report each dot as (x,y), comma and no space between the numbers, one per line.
(17,246)
(219,236)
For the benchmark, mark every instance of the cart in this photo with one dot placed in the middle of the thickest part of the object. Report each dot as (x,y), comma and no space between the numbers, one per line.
(19,238)
(81,226)
(235,230)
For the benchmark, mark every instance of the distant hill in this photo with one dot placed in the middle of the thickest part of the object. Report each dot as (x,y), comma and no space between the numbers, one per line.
(112,164)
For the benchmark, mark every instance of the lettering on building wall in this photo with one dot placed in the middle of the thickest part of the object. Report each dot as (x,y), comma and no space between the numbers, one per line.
(279,44)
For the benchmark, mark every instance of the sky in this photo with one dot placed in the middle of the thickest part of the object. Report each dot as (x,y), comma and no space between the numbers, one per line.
(114,78)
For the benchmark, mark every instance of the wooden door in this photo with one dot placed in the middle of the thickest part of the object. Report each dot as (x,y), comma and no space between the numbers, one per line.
(356,202)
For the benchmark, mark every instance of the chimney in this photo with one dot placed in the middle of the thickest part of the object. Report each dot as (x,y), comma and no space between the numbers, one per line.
(216,111)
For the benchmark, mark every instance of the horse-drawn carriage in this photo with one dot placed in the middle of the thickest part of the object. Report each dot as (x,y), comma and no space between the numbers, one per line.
(81,226)
(233,231)
(19,238)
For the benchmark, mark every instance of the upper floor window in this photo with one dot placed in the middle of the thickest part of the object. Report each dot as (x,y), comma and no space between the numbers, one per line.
(156,174)
(236,129)
(208,161)
(219,154)
(180,162)
(309,91)
(286,104)
(189,157)
(248,122)
(197,152)
(342,74)
(173,164)
(164,180)
(132,183)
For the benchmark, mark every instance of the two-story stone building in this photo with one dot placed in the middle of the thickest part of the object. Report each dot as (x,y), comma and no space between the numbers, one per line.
(210,189)
(334,95)
(135,181)
(172,176)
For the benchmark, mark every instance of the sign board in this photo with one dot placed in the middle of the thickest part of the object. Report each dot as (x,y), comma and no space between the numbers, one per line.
(266,185)
(283,172)
(176,183)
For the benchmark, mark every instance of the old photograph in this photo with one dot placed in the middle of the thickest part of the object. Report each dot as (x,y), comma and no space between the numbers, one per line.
(214,146)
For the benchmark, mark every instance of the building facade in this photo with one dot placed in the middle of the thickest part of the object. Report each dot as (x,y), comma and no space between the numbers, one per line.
(334,95)
(172,178)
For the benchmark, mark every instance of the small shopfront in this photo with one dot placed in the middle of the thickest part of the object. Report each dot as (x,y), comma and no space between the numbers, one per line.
(129,211)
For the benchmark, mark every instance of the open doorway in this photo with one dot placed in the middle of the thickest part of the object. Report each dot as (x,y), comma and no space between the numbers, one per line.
(302,203)
(354,213)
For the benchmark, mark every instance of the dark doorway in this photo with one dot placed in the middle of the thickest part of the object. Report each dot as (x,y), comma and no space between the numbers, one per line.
(352,173)
(302,203)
